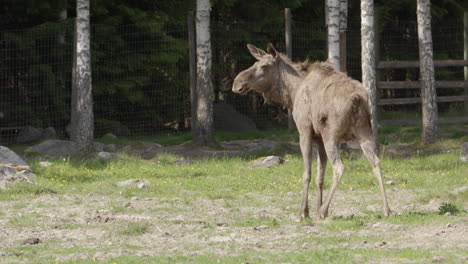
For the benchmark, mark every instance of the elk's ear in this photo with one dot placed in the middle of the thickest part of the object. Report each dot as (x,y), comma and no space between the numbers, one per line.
(256,52)
(272,51)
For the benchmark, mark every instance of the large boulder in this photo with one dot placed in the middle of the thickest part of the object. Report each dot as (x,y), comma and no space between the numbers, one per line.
(31,134)
(226,118)
(8,156)
(54,148)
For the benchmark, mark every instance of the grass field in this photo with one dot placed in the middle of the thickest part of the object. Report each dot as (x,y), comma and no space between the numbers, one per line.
(224,211)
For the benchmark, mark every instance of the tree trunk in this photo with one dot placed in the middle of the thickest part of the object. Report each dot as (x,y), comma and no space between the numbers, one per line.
(193,73)
(368,60)
(333,25)
(343,29)
(430,130)
(204,134)
(288,41)
(82,102)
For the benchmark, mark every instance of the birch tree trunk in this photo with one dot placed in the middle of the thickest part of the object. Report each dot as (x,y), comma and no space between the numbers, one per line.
(82,118)
(430,130)
(368,60)
(204,133)
(343,37)
(333,25)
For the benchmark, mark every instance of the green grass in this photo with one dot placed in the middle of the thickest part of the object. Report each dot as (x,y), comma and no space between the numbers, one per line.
(135,229)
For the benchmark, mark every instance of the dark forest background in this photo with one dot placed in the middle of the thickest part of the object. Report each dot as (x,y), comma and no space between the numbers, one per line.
(140,55)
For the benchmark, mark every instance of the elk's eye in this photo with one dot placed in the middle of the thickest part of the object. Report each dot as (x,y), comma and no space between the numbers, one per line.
(263,67)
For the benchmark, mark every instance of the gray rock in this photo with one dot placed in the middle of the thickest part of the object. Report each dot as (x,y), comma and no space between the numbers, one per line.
(464,148)
(250,146)
(267,162)
(48,133)
(110,148)
(7,155)
(29,134)
(464,159)
(45,164)
(459,190)
(226,118)
(132,182)
(98,146)
(141,186)
(107,156)
(183,162)
(390,183)
(122,131)
(54,148)
(261,227)
(109,136)
(13,173)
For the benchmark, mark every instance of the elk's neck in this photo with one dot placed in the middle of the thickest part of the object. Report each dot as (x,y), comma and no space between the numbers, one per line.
(284,89)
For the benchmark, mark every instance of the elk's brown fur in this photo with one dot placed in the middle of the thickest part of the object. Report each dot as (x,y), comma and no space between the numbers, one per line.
(328,107)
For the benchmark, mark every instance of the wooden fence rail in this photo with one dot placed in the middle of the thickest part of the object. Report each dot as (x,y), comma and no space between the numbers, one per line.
(415,64)
(417,84)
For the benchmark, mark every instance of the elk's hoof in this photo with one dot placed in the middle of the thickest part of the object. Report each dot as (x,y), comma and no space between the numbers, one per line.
(387,212)
(323,213)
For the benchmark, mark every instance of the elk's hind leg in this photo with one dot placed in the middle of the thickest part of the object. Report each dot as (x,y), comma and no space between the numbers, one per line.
(368,149)
(331,147)
(321,165)
(306,149)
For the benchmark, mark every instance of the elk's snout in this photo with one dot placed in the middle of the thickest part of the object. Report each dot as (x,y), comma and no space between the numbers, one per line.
(240,85)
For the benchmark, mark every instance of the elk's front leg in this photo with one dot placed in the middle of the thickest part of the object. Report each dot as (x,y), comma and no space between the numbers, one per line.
(306,149)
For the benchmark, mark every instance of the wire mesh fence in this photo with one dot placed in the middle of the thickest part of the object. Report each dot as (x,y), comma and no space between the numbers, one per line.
(141,80)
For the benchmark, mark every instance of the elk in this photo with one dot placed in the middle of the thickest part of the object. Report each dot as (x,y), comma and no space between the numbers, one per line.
(328,107)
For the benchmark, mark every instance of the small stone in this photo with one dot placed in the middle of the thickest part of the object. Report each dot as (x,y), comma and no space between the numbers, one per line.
(107,156)
(134,198)
(261,227)
(32,241)
(464,159)
(128,204)
(183,162)
(438,259)
(449,225)
(390,183)
(351,189)
(364,242)
(141,186)
(305,246)
(45,164)
(448,214)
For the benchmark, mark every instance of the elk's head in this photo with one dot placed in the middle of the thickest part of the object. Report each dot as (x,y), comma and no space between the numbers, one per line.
(260,76)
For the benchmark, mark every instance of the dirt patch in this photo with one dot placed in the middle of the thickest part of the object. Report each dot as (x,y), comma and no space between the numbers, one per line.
(215,226)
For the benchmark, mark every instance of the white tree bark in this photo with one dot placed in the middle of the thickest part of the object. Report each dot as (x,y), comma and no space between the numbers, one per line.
(430,130)
(333,25)
(82,118)
(204,91)
(343,37)
(368,60)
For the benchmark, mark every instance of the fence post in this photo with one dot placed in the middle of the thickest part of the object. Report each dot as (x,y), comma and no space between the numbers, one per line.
(465,53)
(288,40)
(192,47)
